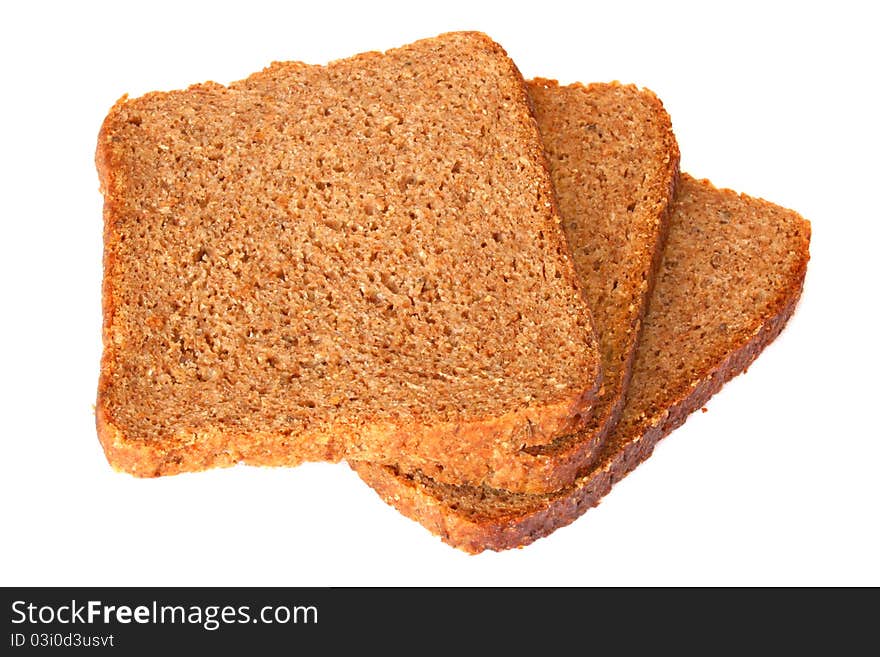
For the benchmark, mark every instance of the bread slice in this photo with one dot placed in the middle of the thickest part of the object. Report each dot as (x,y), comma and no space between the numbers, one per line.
(362,259)
(614,162)
(731,276)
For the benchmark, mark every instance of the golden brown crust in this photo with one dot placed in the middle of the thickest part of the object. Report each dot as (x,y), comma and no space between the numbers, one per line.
(470,445)
(495,522)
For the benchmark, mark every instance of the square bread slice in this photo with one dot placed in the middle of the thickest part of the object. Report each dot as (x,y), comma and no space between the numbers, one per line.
(614,163)
(731,276)
(362,259)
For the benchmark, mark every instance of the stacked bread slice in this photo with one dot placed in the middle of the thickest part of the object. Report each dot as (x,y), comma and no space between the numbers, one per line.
(358,260)
(366,261)
(713,310)
(732,271)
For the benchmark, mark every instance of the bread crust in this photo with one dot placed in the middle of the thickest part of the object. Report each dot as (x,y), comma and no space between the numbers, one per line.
(541,515)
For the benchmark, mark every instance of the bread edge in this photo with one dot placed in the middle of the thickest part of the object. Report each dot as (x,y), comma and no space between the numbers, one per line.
(474,537)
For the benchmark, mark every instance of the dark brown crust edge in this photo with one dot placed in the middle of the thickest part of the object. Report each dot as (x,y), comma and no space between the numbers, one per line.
(217,449)
(474,537)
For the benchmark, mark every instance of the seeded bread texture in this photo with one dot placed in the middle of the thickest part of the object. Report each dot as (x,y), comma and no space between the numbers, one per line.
(614,163)
(731,276)
(361,259)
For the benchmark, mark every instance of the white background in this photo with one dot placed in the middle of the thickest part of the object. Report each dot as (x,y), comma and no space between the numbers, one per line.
(776,484)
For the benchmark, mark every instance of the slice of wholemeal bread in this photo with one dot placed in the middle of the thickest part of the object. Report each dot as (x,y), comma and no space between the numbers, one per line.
(731,276)
(357,259)
(614,162)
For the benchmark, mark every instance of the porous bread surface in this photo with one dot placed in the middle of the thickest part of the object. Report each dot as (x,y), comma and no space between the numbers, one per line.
(614,162)
(356,259)
(731,276)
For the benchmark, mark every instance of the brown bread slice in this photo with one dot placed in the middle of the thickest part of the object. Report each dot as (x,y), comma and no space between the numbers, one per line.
(614,162)
(731,276)
(357,259)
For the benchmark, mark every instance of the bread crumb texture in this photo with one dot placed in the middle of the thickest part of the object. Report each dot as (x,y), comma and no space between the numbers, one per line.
(357,259)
